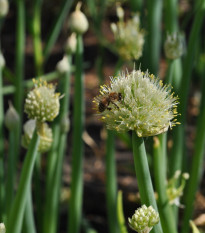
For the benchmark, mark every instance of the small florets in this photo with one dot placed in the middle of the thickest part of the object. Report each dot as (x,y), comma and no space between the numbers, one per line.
(137,101)
(42,103)
(144,219)
(129,38)
(174,46)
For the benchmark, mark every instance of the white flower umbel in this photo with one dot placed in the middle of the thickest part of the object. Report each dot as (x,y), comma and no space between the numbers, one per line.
(137,101)
(2,60)
(2,228)
(144,219)
(42,103)
(174,46)
(129,37)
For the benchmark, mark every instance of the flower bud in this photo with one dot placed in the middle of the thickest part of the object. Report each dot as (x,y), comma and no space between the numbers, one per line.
(11,119)
(129,37)
(4,8)
(78,21)
(71,44)
(2,228)
(42,103)
(63,65)
(137,101)
(65,124)
(46,136)
(2,60)
(174,46)
(144,219)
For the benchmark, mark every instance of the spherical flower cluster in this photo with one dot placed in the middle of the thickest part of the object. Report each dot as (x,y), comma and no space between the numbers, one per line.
(137,101)
(4,8)
(144,219)
(78,21)
(174,46)
(129,38)
(46,136)
(42,103)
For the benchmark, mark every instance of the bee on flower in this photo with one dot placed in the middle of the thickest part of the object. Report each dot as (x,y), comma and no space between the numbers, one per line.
(137,101)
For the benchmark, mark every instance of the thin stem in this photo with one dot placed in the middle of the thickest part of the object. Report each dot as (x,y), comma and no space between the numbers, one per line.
(15,219)
(196,165)
(111,183)
(177,154)
(143,176)
(28,222)
(52,200)
(1,148)
(120,213)
(11,169)
(75,204)
(165,210)
(152,49)
(38,55)
(57,27)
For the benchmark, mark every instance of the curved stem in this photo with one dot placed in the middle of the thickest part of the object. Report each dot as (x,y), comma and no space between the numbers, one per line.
(75,204)
(15,219)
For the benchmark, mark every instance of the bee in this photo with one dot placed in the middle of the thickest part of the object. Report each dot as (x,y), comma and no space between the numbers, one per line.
(112,97)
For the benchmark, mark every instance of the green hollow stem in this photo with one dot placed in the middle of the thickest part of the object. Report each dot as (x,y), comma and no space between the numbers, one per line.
(1,149)
(111,183)
(166,213)
(28,222)
(75,203)
(11,169)
(120,214)
(143,176)
(196,165)
(111,179)
(36,26)
(55,171)
(171,22)
(55,31)
(15,219)
(177,152)
(152,48)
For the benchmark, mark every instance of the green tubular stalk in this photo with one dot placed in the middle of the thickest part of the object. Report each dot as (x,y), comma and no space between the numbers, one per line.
(111,183)
(177,154)
(154,35)
(171,22)
(14,223)
(196,167)
(166,214)
(120,214)
(38,55)
(75,204)
(143,176)
(11,169)
(28,222)
(1,149)
(57,27)
(51,214)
